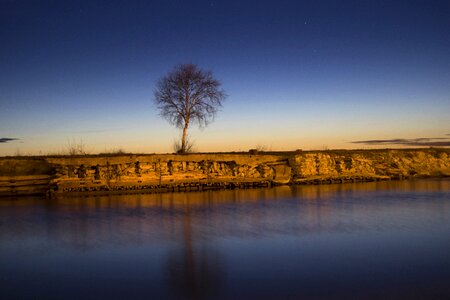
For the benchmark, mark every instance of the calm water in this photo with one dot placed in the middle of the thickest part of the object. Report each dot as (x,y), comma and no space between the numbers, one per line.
(368,240)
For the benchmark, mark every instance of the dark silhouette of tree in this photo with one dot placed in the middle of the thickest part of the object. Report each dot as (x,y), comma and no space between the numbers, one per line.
(188,95)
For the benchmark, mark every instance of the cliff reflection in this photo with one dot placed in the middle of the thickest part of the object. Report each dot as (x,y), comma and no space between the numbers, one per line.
(90,222)
(191,243)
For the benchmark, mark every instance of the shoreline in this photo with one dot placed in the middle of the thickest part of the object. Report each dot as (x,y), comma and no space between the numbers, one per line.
(160,173)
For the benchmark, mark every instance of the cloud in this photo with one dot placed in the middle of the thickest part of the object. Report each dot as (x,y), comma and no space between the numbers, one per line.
(424,142)
(99,130)
(6,140)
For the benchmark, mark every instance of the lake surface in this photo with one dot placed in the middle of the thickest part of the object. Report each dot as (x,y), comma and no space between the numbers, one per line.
(349,241)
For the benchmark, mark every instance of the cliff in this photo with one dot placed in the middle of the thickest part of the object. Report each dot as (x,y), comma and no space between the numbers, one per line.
(167,172)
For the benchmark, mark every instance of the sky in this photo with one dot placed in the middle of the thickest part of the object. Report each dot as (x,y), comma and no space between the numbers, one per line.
(298,74)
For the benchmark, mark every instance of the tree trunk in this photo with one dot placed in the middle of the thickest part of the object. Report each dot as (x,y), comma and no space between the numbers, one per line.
(183,139)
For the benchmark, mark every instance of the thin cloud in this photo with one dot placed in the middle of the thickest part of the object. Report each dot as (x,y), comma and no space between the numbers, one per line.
(6,140)
(425,142)
(99,130)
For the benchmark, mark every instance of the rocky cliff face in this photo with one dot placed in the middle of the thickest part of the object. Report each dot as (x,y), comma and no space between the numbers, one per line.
(198,171)
(376,164)
(147,171)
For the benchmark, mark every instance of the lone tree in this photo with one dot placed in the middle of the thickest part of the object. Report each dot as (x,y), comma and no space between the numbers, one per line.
(188,95)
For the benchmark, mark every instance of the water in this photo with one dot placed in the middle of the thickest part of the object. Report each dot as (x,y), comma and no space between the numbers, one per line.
(361,241)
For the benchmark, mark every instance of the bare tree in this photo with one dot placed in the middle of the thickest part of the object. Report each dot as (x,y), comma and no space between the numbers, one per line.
(188,95)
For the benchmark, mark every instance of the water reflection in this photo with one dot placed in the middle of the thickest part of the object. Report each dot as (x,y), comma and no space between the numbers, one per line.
(223,244)
(194,270)
(92,222)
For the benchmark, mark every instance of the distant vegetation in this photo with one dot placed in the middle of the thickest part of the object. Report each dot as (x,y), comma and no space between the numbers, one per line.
(114,151)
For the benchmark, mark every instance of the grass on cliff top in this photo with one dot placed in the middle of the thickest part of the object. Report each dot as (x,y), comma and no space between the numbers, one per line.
(341,152)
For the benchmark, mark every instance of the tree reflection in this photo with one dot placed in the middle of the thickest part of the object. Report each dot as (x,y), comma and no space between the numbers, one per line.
(194,268)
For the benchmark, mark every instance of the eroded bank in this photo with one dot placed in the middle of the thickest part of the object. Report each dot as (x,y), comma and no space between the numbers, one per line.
(169,172)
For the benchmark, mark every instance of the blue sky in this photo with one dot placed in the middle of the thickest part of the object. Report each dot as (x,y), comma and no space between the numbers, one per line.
(299,74)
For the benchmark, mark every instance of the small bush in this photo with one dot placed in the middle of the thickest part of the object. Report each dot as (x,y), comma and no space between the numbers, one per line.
(76,148)
(189,146)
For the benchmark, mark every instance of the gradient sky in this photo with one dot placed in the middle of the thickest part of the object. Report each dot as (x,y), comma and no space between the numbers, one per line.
(299,74)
